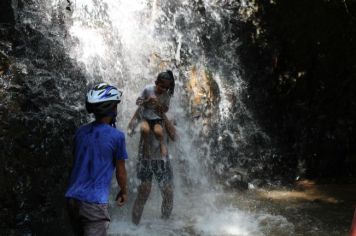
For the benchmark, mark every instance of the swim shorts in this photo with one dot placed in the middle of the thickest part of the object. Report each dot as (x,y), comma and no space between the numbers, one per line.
(162,171)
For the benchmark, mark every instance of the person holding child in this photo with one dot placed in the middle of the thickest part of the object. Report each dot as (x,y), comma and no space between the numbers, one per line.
(153,104)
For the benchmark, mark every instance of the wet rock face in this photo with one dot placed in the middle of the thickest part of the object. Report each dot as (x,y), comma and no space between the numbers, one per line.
(237,145)
(203,93)
(41,95)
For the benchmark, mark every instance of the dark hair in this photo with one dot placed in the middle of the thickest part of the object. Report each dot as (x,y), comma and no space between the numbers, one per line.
(167,75)
(102,108)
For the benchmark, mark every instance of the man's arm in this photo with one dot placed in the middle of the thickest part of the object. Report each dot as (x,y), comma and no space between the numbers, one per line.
(162,108)
(121,177)
(133,122)
(141,100)
(164,104)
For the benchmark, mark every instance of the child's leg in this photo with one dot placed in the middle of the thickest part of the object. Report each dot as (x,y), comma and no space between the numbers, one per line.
(158,131)
(145,131)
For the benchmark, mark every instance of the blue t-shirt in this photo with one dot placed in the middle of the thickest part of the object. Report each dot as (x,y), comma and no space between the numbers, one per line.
(97,146)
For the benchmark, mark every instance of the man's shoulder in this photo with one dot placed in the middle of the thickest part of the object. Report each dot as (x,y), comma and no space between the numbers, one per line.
(101,128)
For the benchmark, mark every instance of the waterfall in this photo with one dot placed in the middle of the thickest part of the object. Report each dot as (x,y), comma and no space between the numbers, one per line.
(127,43)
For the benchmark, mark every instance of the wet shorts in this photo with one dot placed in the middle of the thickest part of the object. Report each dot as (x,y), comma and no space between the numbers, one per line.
(152,123)
(162,171)
(90,219)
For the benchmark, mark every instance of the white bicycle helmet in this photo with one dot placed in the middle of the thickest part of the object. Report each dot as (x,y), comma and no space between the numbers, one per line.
(102,98)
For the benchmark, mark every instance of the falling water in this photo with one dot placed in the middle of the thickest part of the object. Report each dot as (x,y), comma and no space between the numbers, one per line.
(127,43)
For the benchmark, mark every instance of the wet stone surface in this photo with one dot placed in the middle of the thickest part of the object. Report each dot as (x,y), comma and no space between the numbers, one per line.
(41,91)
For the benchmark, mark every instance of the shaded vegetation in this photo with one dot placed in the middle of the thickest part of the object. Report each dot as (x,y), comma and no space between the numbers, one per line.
(299,58)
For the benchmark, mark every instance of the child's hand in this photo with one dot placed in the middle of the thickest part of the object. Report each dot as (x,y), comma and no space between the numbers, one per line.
(152,100)
(121,199)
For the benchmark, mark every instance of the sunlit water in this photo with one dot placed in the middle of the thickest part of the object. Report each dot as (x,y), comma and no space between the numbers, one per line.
(127,43)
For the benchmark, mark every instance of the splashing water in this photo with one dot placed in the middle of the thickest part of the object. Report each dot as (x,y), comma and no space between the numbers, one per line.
(127,43)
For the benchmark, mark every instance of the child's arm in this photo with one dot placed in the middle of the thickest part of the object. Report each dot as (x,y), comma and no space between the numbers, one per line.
(141,100)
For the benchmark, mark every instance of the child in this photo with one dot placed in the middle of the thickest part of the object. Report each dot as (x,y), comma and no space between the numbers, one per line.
(154,102)
(99,149)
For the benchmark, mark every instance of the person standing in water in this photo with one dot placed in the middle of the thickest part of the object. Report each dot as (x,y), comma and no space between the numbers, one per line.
(154,103)
(99,149)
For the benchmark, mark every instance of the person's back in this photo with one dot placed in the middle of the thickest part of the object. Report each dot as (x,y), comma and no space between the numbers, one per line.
(94,146)
(99,148)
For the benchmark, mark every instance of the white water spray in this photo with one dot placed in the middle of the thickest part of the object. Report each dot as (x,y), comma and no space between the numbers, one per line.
(127,43)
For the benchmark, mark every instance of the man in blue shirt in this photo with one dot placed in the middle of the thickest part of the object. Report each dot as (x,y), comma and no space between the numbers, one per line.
(99,149)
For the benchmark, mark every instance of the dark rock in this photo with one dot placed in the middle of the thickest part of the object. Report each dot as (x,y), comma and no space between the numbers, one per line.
(36,128)
(237,181)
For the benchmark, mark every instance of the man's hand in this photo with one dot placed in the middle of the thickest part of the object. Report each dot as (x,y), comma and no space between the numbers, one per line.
(131,128)
(130,132)
(121,198)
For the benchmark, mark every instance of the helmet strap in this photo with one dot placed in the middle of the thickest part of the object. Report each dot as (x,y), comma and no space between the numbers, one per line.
(113,118)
